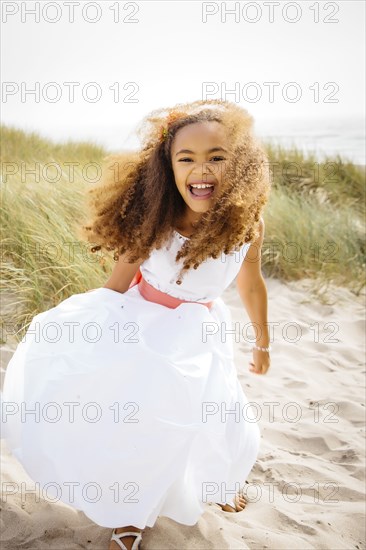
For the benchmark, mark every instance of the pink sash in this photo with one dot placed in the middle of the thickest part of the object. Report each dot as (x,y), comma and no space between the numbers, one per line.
(152,294)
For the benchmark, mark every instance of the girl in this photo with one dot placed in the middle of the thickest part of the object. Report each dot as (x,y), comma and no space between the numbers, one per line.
(125,399)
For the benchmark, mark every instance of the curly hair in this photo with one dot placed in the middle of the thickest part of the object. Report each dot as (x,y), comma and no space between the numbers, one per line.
(137,204)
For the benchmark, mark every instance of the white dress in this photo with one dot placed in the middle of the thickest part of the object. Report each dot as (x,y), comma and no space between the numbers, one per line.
(120,407)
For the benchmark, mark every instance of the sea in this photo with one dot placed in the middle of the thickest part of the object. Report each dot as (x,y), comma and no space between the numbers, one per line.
(344,136)
(322,136)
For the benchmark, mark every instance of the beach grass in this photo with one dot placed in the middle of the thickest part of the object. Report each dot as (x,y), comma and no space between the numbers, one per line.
(334,179)
(315,222)
(315,219)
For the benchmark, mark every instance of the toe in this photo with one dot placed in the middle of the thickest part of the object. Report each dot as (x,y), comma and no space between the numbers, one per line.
(240,503)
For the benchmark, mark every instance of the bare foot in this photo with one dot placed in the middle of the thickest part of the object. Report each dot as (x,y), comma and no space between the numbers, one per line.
(240,503)
(126,541)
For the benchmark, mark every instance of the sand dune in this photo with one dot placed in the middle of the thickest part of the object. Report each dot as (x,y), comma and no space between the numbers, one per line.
(307,487)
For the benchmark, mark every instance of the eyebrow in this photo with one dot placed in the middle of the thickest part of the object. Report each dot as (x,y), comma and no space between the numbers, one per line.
(208,151)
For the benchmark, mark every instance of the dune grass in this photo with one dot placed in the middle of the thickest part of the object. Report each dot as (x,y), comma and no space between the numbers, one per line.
(43,262)
(315,220)
(333,180)
(314,223)
(308,239)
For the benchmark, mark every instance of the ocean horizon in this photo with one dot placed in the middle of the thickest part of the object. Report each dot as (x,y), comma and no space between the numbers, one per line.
(322,136)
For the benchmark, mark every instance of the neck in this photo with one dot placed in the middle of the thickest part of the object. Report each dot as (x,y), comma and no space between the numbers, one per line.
(190,219)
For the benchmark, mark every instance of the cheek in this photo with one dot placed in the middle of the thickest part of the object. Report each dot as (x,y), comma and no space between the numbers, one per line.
(220,171)
(179,174)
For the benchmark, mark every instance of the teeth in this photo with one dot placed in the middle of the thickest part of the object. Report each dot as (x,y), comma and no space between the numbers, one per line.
(201,185)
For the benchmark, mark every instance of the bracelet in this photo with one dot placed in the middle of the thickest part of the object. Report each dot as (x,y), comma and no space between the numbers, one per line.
(262,349)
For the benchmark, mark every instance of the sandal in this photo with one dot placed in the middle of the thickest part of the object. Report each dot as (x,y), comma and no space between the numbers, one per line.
(116,537)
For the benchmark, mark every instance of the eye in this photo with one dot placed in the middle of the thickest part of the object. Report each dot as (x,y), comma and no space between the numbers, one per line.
(213,158)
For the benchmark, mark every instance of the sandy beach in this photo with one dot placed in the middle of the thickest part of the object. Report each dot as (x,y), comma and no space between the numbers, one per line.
(307,487)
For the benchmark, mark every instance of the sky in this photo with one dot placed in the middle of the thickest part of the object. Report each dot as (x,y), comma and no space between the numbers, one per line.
(138,56)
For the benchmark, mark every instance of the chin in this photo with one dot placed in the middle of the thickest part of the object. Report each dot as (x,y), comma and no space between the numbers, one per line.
(199,210)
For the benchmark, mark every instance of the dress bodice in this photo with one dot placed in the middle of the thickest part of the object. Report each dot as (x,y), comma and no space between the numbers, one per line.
(203,284)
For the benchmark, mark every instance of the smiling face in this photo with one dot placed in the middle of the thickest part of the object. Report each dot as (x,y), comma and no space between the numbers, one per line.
(198,154)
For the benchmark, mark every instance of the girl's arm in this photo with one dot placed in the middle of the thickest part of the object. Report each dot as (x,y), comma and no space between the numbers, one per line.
(253,293)
(122,274)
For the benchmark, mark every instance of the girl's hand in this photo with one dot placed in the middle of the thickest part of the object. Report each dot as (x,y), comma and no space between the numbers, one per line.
(261,362)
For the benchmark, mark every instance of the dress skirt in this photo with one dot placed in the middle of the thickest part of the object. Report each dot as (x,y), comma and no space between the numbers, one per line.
(129,410)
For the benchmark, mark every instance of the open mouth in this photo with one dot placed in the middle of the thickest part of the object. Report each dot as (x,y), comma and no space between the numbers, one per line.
(201,191)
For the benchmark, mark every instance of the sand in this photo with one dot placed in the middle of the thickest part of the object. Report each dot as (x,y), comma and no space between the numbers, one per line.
(307,487)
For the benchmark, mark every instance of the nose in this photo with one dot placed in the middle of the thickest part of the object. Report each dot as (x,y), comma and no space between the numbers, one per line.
(203,168)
